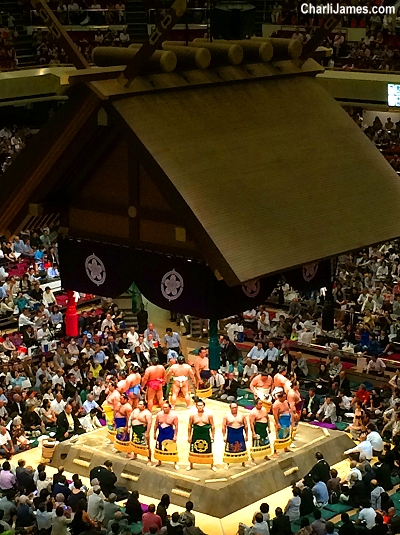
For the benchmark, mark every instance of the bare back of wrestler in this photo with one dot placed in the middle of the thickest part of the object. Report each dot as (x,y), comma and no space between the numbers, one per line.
(154,379)
(133,387)
(181,373)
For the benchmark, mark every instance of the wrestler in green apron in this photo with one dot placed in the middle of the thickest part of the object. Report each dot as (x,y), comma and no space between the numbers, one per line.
(261,429)
(138,432)
(201,439)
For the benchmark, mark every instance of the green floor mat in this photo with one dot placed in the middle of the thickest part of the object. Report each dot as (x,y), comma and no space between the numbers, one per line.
(338,508)
(395,480)
(135,528)
(327,514)
(341,426)
(354,517)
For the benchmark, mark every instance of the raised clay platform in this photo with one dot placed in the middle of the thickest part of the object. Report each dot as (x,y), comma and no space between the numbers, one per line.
(217,493)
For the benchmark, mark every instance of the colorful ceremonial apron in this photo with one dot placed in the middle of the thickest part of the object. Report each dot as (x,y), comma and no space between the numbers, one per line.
(235,442)
(122,441)
(138,432)
(109,414)
(204,389)
(165,449)
(261,429)
(261,446)
(284,434)
(164,433)
(120,422)
(285,421)
(201,447)
(201,439)
(235,447)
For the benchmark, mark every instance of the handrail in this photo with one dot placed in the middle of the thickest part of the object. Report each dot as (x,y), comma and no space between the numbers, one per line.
(83,17)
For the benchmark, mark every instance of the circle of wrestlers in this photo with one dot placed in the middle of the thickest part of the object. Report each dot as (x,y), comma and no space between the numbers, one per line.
(130,400)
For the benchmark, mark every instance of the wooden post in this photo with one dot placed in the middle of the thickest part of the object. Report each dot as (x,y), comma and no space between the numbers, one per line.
(58,32)
(158,35)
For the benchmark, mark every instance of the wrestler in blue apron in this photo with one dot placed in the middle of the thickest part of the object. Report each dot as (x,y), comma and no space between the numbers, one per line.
(164,433)
(235,442)
(285,421)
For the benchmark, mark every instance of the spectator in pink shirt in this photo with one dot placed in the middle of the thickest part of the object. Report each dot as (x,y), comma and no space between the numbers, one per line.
(7,478)
(150,519)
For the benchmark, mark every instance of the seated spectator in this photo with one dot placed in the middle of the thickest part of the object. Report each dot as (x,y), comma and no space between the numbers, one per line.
(174,527)
(150,519)
(327,413)
(292,509)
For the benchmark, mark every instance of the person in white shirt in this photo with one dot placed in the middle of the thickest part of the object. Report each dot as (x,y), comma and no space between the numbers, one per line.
(58,379)
(249,371)
(217,380)
(363,447)
(327,413)
(76,372)
(369,304)
(354,475)
(375,440)
(43,334)
(298,35)
(6,444)
(24,321)
(108,322)
(48,297)
(263,323)
(133,337)
(57,405)
(376,365)
(249,315)
(366,515)
(124,36)
(382,271)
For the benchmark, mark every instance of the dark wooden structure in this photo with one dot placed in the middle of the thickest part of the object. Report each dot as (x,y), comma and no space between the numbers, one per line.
(253,167)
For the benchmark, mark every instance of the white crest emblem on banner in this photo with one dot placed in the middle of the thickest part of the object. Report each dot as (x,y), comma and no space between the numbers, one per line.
(172,285)
(95,270)
(309,271)
(251,288)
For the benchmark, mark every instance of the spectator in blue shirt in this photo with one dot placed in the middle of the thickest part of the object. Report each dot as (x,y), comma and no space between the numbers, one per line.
(18,245)
(99,355)
(90,404)
(257,353)
(320,493)
(271,352)
(172,340)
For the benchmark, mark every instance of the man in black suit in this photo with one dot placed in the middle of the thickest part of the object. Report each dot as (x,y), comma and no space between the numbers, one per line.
(140,358)
(18,406)
(343,383)
(280,524)
(351,318)
(107,480)
(229,352)
(321,469)
(310,406)
(67,424)
(230,388)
